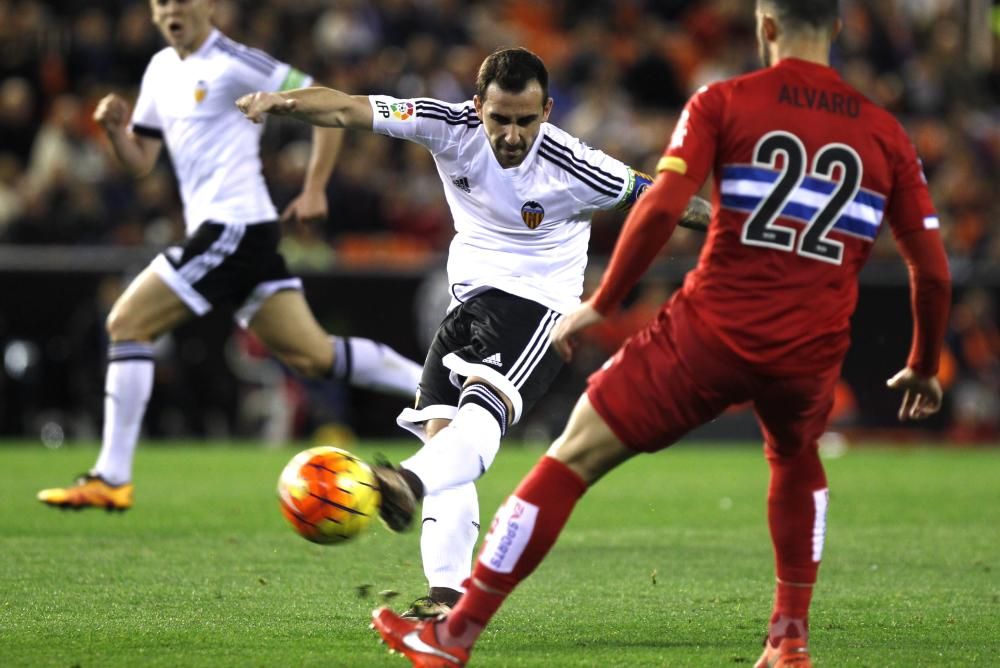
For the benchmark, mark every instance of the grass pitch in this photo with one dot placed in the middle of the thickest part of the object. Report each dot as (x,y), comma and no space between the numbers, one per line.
(667,562)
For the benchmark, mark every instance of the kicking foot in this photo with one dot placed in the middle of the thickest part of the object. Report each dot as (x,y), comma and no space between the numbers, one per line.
(398,500)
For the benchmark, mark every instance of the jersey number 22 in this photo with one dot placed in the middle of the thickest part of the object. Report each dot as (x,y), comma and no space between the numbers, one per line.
(813,242)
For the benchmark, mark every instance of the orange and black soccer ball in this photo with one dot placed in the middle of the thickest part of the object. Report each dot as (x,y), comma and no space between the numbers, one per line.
(328,495)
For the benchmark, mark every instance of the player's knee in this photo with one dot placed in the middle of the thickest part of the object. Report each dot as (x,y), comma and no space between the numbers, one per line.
(490,399)
(122,326)
(433,426)
(582,458)
(589,450)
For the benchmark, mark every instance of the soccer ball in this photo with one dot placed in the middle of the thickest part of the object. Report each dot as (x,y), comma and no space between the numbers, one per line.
(328,495)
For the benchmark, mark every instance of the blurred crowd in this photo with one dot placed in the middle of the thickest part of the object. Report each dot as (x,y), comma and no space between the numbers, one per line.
(620,72)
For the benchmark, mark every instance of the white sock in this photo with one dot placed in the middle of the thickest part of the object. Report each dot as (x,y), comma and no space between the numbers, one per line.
(459,453)
(127,387)
(374,366)
(448,535)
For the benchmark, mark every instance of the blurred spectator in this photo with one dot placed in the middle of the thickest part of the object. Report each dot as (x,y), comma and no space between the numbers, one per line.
(624,69)
(63,153)
(18,118)
(974,342)
(11,199)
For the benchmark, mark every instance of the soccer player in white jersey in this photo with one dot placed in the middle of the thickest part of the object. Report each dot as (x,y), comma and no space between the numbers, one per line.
(522,193)
(230,257)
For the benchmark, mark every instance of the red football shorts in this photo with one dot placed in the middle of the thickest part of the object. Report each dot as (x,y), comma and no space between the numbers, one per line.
(675,375)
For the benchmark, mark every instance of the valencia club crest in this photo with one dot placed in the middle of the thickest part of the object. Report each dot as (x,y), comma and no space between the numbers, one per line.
(532,214)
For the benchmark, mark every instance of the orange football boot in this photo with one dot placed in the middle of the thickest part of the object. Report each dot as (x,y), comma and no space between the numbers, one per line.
(790,653)
(89,491)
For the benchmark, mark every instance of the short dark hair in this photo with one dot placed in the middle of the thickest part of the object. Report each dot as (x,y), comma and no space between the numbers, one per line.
(512,70)
(800,13)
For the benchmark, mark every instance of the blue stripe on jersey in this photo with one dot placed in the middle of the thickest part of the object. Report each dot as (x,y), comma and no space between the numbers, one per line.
(749,173)
(264,57)
(744,187)
(611,180)
(586,177)
(245,56)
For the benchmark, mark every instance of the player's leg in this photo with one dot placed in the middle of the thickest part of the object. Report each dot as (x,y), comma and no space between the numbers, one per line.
(147,309)
(463,447)
(278,314)
(685,385)
(499,345)
(523,531)
(531,519)
(449,529)
(792,413)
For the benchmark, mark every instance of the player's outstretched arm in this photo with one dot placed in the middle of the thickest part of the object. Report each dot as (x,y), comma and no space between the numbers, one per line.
(136,152)
(316,105)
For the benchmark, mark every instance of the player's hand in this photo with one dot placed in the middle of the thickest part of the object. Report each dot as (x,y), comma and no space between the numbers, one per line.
(697,214)
(308,207)
(112,113)
(255,105)
(921,394)
(580,318)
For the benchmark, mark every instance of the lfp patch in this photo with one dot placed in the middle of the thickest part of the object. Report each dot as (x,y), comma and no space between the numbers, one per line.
(200,91)
(532,214)
(402,110)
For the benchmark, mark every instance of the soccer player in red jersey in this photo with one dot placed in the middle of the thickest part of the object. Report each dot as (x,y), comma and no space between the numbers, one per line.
(805,171)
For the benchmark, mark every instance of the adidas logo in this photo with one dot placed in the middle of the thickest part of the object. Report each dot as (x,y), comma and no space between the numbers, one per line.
(462,183)
(493,359)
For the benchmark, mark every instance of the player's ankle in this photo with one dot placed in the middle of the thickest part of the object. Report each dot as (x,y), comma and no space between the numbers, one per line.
(783,626)
(458,631)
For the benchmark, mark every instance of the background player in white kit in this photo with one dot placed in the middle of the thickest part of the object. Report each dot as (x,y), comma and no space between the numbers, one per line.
(522,193)
(230,257)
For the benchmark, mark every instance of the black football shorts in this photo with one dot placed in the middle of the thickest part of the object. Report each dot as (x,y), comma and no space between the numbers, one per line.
(235,266)
(497,336)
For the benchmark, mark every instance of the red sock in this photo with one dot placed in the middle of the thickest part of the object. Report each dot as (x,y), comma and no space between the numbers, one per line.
(796,514)
(523,531)
(792,600)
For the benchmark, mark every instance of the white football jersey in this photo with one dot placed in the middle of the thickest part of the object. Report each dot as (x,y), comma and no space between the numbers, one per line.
(191,105)
(523,230)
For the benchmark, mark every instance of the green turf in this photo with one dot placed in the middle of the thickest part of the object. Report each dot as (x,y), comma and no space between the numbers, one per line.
(666,562)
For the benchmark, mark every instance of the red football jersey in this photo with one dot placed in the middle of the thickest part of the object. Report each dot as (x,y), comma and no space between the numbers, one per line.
(805,171)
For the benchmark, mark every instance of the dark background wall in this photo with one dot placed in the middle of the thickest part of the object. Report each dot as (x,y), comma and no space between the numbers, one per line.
(214,381)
